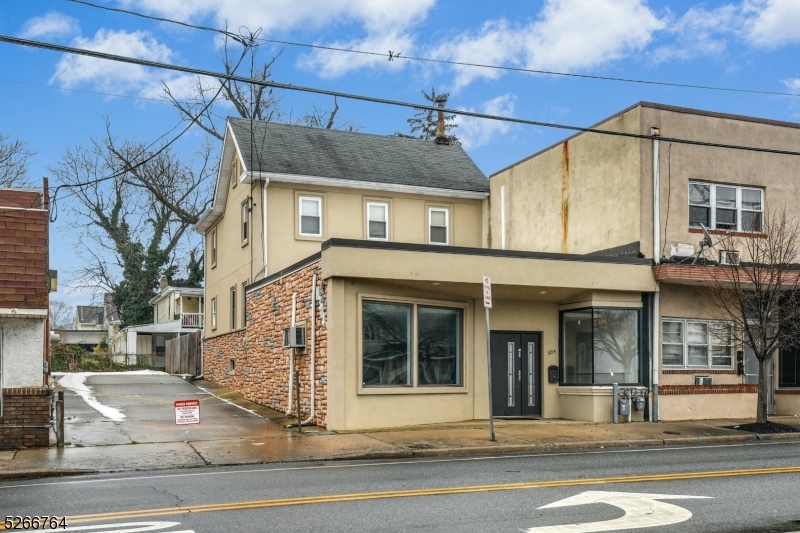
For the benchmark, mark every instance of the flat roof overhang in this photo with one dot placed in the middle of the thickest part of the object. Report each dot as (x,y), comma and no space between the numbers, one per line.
(514,274)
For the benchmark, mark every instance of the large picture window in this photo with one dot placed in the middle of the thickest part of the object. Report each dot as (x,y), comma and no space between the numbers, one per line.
(601,346)
(696,343)
(725,207)
(408,344)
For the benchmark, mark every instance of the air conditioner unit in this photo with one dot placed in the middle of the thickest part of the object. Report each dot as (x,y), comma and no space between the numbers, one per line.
(682,250)
(702,380)
(294,337)
(728,257)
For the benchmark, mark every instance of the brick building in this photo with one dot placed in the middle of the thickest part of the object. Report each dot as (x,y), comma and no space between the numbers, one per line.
(24,331)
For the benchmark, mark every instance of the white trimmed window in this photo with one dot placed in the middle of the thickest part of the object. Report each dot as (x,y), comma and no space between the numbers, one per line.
(214,313)
(233,308)
(310,210)
(438,225)
(696,344)
(245,222)
(726,207)
(377,221)
(214,247)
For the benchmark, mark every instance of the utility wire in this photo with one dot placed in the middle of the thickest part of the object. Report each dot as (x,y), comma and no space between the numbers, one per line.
(391,56)
(20,82)
(373,99)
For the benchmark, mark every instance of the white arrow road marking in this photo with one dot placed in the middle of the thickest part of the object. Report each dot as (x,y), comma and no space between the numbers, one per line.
(138,527)
(641,510)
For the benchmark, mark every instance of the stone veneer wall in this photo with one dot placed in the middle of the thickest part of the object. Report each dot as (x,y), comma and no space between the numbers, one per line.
(26,418)
(261,362)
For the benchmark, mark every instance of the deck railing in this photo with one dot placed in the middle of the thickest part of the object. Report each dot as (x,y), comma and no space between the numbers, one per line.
(192,320)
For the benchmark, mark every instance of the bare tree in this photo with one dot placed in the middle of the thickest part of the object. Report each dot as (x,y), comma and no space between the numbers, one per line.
(757,295)
(61,315)
(14,162)
(249,100)
(128,234)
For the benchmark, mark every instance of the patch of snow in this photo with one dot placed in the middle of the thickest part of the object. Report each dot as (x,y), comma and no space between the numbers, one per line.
(76,382)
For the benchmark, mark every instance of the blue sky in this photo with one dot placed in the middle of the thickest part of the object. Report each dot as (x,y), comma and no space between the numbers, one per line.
(750,44)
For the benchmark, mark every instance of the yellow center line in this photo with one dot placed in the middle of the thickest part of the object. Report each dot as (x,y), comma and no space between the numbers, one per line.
(337,498)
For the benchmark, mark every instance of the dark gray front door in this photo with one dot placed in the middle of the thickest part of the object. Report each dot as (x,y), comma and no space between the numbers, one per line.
(516,375)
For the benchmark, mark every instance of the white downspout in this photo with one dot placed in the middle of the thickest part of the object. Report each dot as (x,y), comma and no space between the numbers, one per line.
(656,197)
(291,358)
(502,217)
(654,359)
(264,223)
(313,350)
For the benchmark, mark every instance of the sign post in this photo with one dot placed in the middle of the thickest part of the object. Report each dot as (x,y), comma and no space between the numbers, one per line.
(487,304)
(187,412)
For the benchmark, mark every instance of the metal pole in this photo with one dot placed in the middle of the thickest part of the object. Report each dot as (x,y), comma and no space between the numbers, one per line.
(489,364)
(60,420)
(614,402)
(299,412)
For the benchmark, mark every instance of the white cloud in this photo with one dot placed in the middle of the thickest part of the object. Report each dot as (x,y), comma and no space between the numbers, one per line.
(701,32)
(287,15)
(73,70)
(793,84)
(476,132)
(569,35)
(51,24)
(773,23)
(332,64)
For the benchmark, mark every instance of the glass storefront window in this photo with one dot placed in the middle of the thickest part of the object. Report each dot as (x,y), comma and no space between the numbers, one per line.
(439,346)
(601,346)
(386,343)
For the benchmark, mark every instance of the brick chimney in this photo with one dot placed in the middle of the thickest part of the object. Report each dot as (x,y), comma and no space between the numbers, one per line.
(441,137)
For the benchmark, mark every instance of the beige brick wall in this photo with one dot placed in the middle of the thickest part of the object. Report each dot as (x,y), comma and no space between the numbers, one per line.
(261,362)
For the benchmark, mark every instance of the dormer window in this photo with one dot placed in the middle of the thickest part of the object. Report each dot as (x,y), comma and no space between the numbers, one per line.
(438,225)
(377,221)
(310,216)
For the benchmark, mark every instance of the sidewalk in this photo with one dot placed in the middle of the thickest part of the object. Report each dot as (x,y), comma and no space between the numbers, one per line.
(265,440)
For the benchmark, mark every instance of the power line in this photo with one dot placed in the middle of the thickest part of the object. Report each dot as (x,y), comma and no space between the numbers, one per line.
(391,56)
(20,82)
(372,99)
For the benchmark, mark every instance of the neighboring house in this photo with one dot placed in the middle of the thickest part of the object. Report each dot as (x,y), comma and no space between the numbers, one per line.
(24,304)
(176,311)
(377,245)
(93,325)
(89,318)
(595,194)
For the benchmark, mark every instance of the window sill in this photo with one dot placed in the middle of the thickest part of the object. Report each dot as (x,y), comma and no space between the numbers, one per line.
(400,390)
(245,243)
(318,238)
(681,370)
(726,232)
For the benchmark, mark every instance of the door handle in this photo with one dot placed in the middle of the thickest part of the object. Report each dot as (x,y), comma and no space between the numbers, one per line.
(519,375)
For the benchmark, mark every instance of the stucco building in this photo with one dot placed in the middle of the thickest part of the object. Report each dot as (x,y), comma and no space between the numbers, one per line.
(595,193)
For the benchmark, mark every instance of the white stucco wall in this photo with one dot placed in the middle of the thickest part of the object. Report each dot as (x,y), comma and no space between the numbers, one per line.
(23,352)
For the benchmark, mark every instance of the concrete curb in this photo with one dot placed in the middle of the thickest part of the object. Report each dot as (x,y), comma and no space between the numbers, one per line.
(408,453)
(35,474)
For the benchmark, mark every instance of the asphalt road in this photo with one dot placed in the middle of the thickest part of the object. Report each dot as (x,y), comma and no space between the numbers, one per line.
(743,488)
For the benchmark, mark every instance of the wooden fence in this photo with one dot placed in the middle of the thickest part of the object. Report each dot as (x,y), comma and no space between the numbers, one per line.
(182,354)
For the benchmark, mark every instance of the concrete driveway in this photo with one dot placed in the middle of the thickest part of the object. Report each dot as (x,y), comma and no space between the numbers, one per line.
(137,408)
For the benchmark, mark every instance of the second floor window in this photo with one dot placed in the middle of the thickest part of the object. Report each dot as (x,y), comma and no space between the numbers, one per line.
(310,216)
(438,225)
(726,207)
(377,221)
(214,247)
(245,220)
(213,313)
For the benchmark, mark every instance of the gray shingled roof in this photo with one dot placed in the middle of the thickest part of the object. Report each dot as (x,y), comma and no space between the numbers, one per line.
(347,155)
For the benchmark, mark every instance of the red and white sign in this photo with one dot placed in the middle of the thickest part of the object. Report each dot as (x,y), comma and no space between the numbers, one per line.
(487,292)
(187,412)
